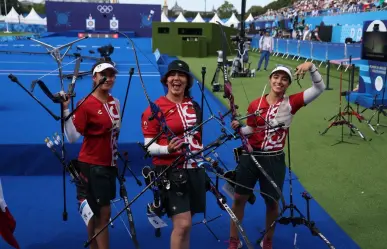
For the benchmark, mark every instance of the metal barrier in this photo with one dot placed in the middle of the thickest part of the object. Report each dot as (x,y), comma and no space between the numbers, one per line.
(315,51)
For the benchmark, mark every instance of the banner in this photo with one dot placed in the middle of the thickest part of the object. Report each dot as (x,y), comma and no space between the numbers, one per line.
(70,16)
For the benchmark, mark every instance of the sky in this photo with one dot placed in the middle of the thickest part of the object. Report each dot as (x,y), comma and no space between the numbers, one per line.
(195,5)
(198,5)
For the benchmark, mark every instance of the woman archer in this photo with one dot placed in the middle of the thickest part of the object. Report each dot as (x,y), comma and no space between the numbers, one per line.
(268,143)
(187,193)
(98,120)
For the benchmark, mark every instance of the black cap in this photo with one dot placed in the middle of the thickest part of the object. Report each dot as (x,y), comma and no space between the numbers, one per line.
(181,66)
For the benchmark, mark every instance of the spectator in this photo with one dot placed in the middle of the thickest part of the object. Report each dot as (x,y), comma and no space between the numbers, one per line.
(266,46)
(315,36)
(306,35)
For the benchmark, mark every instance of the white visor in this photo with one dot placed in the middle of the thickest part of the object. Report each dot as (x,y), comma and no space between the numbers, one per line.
(284,69)
(102,67)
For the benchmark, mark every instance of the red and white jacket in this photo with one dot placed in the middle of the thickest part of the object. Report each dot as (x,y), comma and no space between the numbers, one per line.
(179,118)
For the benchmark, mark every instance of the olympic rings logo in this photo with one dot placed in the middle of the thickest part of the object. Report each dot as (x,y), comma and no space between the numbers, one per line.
(104,9)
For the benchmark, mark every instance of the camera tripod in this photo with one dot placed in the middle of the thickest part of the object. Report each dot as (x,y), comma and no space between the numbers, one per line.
(239,69)
(205,220)
(124,196)
(301,219)
(216,86)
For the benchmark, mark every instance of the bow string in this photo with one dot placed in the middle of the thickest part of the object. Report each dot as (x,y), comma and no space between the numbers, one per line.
(155,109)
(228,93)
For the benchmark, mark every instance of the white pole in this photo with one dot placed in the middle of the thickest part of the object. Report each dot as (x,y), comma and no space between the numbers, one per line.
(6,23)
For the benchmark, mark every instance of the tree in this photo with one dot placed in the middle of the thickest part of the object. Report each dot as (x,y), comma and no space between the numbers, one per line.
(256,10)
(40,8)
(279,4)
(190,14)
(11,3)
(226,10)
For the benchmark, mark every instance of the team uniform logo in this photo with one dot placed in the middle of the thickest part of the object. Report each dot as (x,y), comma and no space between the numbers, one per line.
(114,115)
(189,119)
(145,125)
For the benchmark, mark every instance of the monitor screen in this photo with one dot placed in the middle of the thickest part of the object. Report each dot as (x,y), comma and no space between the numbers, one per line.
(374,45)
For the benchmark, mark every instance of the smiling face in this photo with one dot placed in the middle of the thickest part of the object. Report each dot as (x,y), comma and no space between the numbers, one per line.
(110,75)
(279,82)
(177,83)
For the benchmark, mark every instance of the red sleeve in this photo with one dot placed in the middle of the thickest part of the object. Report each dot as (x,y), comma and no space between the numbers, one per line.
(251,109)
(150,128)
(80,118)
(296,101)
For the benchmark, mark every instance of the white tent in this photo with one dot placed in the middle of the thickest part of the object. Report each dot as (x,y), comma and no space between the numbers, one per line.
(250,18)
(21,18)
(216,19)
(198,18)
(164,18)
(232,21)
(12,16)
(181,18)
(2,18)
(33,18)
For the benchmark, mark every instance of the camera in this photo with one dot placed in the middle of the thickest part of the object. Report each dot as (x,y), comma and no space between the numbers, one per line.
(237,38)
(220,56)
(106,51)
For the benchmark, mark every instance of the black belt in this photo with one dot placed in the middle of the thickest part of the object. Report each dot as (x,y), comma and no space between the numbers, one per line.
(264,153)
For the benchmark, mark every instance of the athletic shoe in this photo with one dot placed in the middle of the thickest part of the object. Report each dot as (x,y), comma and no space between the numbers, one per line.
(234,243)
(266,244)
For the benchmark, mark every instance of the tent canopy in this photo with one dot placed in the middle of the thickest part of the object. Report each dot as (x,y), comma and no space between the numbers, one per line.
(250,18)
(164,18)
(198,18)
(33,18)
(216,19)
(12,16)
(181,18)
(232,21)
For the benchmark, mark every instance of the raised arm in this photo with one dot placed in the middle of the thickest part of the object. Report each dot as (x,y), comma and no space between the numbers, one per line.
(317,87)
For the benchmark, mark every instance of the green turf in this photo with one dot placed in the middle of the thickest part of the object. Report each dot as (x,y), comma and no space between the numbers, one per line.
(14,34)
(347,180)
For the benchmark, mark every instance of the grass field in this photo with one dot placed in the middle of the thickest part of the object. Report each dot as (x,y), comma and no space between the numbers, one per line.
(347,180)
(14,34)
